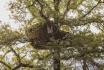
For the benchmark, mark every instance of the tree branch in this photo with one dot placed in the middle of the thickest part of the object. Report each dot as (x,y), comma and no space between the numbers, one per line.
(16,54)
(67,8)
(23,65)
(5,64)
(90,10)
(76,22)
(41,10)
(83,54)
(56,5)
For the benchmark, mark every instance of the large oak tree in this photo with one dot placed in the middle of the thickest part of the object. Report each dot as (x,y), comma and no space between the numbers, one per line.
(78,45)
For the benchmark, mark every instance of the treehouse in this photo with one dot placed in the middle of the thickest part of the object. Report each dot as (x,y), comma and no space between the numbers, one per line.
(40,35)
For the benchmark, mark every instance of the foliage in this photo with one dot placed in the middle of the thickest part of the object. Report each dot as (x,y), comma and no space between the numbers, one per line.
(80,45)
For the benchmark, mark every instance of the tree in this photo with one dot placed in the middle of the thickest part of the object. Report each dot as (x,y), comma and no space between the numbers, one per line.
(73,17)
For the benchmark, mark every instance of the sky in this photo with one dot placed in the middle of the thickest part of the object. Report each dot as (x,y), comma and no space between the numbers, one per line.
(3,13)
(4,16)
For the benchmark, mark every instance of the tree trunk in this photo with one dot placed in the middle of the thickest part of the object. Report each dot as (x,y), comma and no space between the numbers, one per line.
(56,59)
(84,64)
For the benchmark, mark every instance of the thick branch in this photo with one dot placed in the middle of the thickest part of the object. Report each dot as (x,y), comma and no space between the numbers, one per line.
(56,5)
(67,8)
(41,10)
(5,64)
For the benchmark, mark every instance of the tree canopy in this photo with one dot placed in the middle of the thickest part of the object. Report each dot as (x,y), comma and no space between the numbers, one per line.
(79,46)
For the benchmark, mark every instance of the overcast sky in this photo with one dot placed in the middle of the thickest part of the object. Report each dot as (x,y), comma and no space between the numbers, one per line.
(3,10)
(4,14)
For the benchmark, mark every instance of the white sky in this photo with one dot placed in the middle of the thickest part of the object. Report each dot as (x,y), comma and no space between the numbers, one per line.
(4,16)
(3,12)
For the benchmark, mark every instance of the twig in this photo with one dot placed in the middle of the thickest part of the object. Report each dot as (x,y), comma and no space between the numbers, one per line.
(90,10)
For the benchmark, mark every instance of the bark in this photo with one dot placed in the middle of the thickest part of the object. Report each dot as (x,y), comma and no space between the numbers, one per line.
(56,59)
(84,64)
